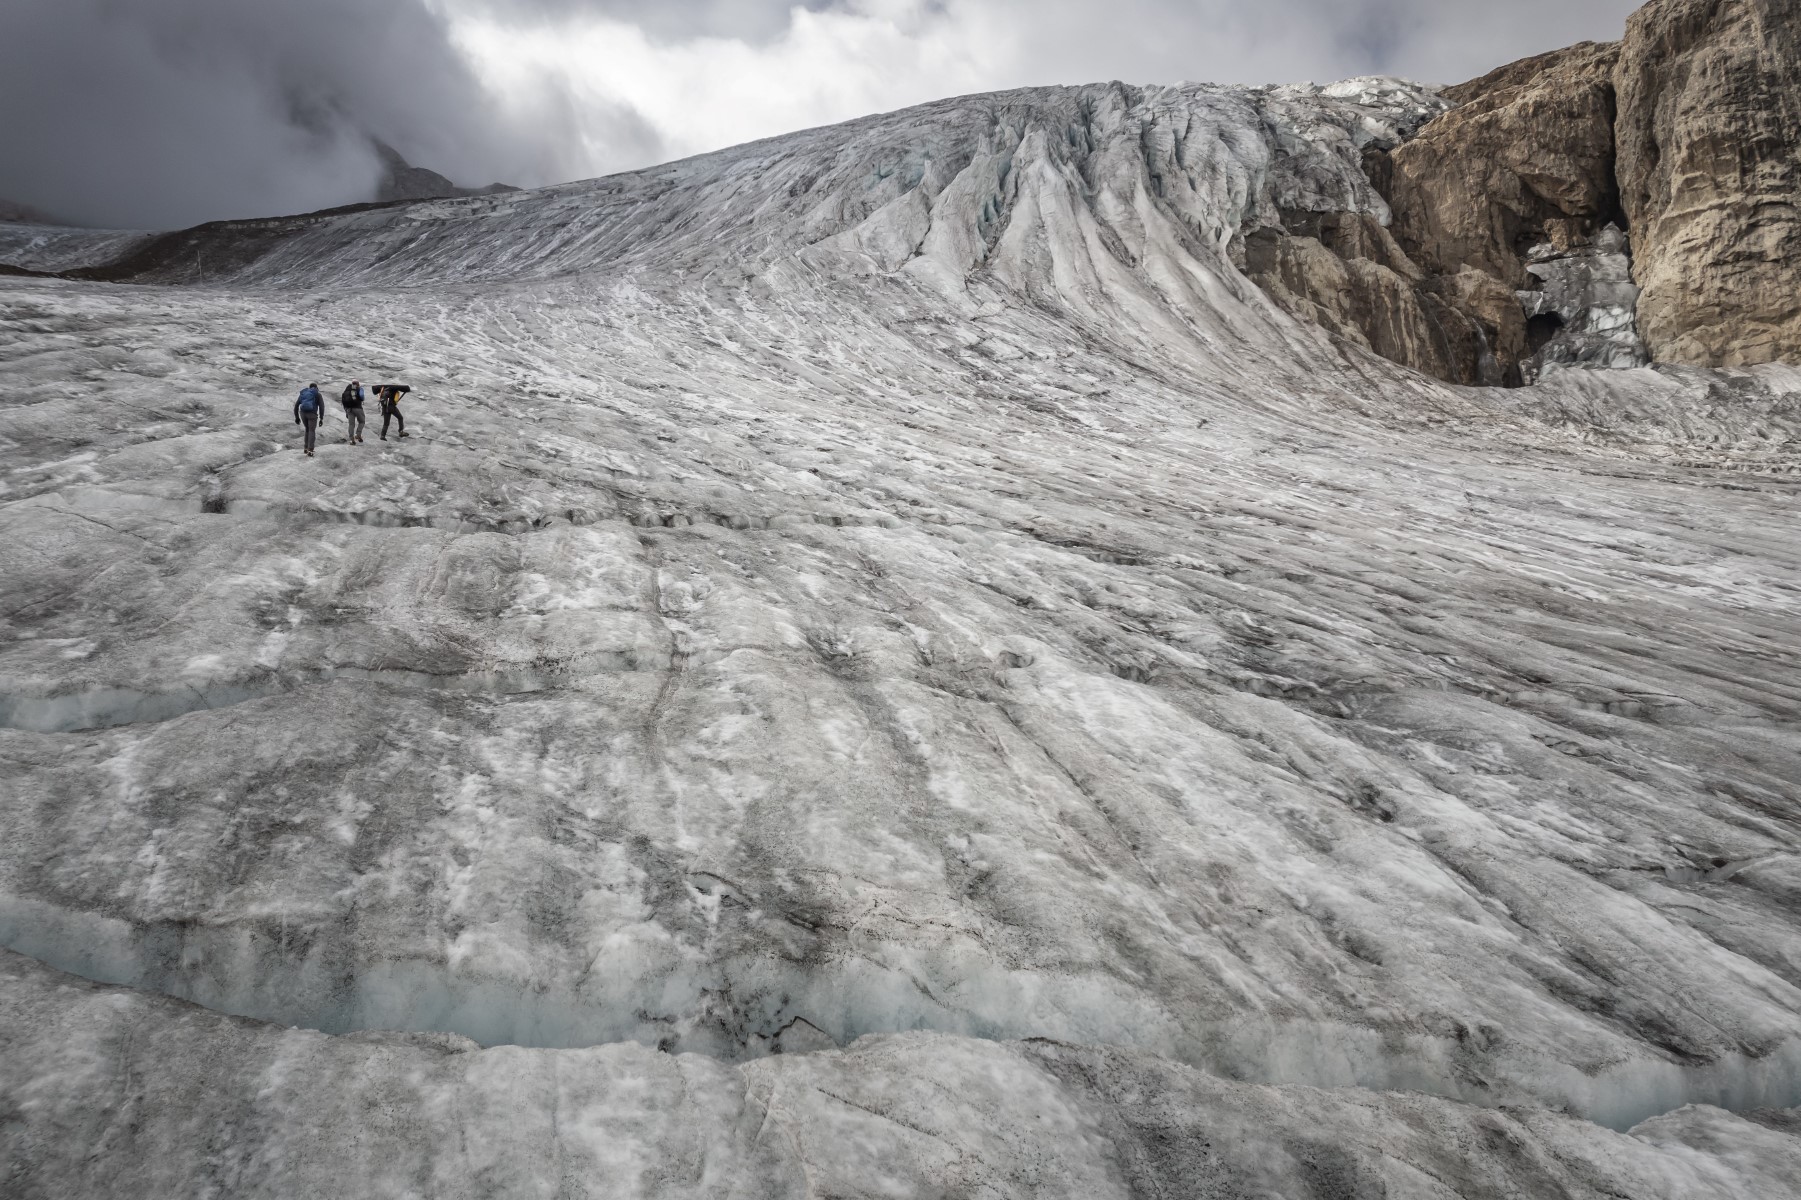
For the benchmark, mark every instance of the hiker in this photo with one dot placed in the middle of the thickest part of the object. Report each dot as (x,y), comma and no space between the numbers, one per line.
(307,411)
(352,399)
(390,394)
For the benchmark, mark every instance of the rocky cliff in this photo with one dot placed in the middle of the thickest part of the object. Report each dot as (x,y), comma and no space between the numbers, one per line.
(1518,167)
(1514,214)
(1709,137)
(1524,159)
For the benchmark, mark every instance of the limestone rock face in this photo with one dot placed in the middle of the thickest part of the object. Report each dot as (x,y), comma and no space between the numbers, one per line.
(1528,149)
(1687,136)
(1346,272)
(1332,262)
(1709,162)
(1524,158)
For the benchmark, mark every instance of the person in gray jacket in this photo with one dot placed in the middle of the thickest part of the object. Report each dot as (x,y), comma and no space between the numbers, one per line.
(352,400)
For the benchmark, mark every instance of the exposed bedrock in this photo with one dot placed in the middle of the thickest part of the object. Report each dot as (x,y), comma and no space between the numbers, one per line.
(1686,135)
(1345,272)
(1709,165)
(1524,160)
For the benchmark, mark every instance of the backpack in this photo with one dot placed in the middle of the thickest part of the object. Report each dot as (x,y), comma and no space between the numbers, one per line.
(309,400)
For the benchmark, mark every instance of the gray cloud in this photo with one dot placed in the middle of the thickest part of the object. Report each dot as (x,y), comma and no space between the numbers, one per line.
(157,113)
(167,112)
(668,20)
(1269,41)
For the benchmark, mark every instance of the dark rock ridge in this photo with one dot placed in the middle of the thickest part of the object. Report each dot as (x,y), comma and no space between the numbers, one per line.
(208,251)
(221,247)
(401,180)
(1506,247)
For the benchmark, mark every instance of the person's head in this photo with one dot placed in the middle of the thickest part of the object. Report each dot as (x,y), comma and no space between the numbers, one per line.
(312,385)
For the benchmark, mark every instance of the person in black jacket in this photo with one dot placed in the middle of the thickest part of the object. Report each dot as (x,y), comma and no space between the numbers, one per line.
(352,399)
(390,394)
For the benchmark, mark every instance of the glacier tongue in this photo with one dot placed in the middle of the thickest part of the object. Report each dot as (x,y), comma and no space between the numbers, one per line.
(897,582)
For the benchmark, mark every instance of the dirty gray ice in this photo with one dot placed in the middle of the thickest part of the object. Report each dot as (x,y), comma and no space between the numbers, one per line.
(887,668)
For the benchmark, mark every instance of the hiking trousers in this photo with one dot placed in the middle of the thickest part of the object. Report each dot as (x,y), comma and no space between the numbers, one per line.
(391,412)
(311,421)
(354,415)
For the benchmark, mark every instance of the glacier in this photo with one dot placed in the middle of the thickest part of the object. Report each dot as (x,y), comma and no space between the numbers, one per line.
(888,668)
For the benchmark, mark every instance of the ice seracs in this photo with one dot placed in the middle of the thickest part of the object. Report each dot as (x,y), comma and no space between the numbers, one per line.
(1584,309)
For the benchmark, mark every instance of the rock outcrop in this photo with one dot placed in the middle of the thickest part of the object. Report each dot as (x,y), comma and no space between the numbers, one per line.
(401,180)
(1687,135)
(1523,160)
(1709,136)
(1347,273)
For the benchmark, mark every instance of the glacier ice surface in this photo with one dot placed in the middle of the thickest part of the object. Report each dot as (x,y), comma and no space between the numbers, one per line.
(892,606)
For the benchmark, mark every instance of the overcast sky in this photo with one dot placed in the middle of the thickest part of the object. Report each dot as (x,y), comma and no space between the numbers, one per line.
(161,113)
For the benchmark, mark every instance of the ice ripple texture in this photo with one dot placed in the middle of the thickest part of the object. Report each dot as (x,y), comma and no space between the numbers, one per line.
(895,582)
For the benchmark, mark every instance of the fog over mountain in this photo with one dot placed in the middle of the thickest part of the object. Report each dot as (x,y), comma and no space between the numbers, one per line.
(163,113)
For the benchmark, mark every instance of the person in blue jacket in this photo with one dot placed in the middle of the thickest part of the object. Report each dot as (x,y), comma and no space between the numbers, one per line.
(307,411)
